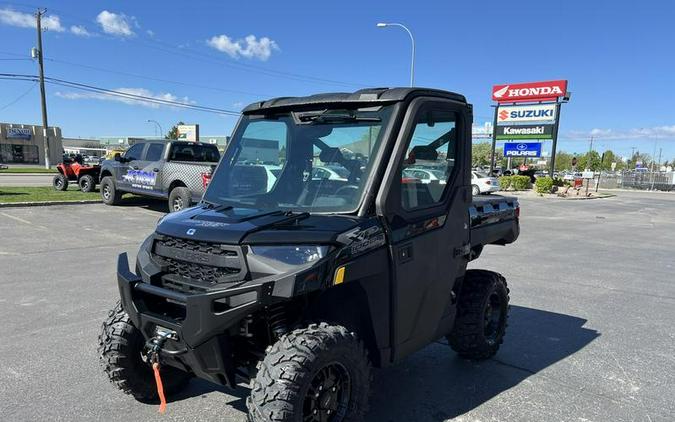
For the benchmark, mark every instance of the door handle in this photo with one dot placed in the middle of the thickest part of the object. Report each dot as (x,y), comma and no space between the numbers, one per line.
(134,167)
(155,170)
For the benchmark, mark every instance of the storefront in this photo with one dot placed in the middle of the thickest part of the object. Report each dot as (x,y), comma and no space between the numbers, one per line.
(23,144)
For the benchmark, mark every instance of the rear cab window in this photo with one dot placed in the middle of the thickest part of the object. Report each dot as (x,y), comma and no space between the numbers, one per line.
(194,153)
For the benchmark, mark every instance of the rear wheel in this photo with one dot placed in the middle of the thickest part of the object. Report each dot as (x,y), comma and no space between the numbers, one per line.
(60,182)
(87,183)
(179,198)
(318,373)
(475,190)
(482,313)
(119,346)
(109,194)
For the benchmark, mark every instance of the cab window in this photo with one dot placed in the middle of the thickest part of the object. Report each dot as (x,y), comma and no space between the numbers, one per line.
(134,152)
(430,159)
(154,152)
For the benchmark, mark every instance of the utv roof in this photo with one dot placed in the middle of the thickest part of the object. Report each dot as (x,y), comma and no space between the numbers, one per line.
(364,97)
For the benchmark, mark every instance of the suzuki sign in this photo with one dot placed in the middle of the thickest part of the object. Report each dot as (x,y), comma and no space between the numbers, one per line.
(526,113)
(522,149)
(529,91)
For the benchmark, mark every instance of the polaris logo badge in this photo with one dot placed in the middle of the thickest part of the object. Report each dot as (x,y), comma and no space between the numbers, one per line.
(191,232)
(521,147)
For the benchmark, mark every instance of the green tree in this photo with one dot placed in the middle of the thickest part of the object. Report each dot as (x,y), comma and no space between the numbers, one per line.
(563,161)
(173,133)
(590,161)
(481,153)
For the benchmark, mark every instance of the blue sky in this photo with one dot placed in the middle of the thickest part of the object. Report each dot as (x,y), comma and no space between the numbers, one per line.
(618,58)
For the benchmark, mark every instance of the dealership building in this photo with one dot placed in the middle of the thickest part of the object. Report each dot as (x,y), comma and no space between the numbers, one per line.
(24,144)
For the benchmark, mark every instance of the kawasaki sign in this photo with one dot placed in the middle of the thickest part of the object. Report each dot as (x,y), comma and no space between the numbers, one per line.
(525,132)
(522,149)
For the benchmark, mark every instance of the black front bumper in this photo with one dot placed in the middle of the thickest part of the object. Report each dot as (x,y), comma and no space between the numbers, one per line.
(203,346)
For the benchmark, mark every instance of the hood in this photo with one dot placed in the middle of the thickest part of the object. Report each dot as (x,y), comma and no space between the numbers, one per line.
(235,226)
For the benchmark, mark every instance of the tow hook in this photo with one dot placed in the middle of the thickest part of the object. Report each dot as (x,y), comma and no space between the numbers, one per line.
(153,347)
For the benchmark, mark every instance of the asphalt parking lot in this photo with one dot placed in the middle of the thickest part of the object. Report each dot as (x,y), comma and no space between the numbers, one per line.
(591,334)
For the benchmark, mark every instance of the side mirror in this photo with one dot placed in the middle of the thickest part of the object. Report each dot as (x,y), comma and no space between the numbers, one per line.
(118,156)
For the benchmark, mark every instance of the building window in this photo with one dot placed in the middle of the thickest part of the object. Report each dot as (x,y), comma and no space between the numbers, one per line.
(24,154)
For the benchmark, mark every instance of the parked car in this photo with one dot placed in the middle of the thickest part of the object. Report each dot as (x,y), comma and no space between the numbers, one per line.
(482,183)
(175,170)
(425,175)
(330,172)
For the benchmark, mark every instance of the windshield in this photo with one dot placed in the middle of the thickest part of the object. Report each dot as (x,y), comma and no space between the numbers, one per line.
(310,161)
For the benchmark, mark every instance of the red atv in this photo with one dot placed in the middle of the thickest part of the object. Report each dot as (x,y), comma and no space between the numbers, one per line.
(73,169)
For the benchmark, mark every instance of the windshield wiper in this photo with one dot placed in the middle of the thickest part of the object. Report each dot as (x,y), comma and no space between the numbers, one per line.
(332,116)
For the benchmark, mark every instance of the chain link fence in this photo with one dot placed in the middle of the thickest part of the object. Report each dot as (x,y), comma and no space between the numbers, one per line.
(642,180)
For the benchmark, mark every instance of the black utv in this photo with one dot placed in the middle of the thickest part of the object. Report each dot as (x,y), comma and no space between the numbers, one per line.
(334,259)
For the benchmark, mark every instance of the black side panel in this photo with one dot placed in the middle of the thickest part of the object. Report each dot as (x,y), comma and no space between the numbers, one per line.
(361,303)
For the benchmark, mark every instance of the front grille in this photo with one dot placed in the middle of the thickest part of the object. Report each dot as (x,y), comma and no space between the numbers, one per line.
(190,265)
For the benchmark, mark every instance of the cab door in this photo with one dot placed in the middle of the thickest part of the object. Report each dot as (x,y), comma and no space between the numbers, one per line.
(129,176)
(427,220)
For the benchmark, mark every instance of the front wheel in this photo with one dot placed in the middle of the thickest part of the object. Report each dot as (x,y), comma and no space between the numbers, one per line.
(110,194)
(318,373)
(120,345)
(60,182)
(482,312)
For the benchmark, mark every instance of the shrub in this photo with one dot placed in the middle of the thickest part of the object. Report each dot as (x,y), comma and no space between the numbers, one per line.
(505,182)
(520,182)
(543,184)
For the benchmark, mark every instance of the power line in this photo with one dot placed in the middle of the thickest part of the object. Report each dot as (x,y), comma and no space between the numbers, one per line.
(150,78)
(105,91)
(205,57)
(17,99)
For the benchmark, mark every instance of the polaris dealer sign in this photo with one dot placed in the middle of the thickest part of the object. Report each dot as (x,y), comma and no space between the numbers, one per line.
(527,113)
(522,149)
(525,132)
(529,91)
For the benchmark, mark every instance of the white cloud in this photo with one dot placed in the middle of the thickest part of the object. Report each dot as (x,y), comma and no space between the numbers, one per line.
(80,31)
(655,132)
(150,33)
(27,20)
(116,23)
(250,47)
(166,96)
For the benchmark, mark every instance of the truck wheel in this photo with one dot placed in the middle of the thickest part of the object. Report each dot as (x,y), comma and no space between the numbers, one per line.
(60,182)
(179,198)
(482,313)
(475,190)
(109,194)
(119,347)
(318,373)
(87,183)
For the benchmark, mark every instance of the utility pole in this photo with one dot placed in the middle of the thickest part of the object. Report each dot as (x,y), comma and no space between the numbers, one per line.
(588,161)
(43,99)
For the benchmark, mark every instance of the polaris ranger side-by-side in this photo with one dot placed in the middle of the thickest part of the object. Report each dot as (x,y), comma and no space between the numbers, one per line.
(304,284)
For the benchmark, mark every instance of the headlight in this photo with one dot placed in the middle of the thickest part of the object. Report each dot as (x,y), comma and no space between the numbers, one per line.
(292,254)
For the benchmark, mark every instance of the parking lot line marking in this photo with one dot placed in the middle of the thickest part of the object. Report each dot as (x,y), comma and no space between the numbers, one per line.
(21,220)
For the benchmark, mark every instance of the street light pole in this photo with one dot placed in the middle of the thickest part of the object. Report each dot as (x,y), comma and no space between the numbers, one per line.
(157,124)
(412,41)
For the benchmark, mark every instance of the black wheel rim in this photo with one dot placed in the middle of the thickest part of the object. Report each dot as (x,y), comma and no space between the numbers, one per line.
(494,316)
(58,183)
(328,395)
(85,185)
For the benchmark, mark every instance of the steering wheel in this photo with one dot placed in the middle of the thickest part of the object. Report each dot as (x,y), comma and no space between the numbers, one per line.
(347,190)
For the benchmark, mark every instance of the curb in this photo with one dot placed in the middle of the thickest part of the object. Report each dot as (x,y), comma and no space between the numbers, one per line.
(48,203)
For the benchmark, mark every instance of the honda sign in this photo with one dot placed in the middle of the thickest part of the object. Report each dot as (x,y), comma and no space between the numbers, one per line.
(522,149)
(529,91)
